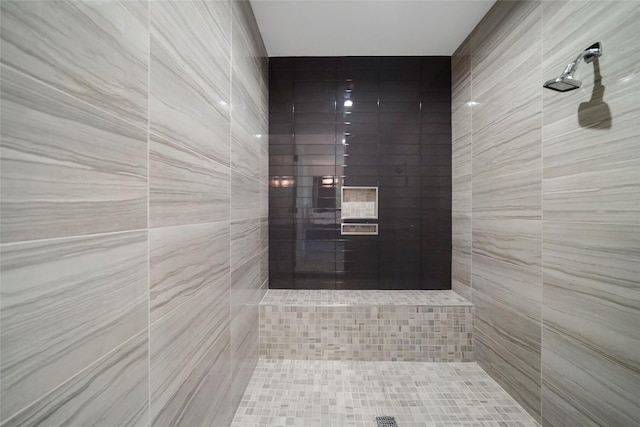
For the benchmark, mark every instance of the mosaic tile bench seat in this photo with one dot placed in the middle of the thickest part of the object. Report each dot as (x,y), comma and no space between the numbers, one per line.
(394,325)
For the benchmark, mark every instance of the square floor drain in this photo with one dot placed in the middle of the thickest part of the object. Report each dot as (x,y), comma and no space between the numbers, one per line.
(386,422)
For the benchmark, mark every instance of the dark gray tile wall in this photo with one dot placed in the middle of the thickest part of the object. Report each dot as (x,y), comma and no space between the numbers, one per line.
(396,135)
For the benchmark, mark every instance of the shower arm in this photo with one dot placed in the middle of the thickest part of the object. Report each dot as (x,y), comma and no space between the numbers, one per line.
(589,54)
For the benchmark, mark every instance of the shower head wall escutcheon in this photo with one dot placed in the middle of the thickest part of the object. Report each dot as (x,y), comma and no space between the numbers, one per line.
(566,82)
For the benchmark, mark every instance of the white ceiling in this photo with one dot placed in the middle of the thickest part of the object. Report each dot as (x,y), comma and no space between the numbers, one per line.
(366,27)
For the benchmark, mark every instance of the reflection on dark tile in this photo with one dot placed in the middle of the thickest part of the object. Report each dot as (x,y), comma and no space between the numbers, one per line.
(360,121)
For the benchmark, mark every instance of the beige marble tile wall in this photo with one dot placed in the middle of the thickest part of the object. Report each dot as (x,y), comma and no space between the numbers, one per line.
(555,207)
(133,211)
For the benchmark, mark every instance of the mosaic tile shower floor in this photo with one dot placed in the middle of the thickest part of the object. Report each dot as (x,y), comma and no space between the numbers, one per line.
(325,393)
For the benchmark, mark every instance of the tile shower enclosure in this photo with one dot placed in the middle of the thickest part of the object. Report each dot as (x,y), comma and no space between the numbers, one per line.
(360,121)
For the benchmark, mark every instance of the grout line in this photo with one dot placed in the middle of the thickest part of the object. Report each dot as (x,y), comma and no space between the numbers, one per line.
(470,46)
(149,211)
(541,203)
(230,136)
(77,236)
(0,225)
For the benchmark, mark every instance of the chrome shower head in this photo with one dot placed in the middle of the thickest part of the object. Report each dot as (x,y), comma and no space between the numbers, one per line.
(566,82)
(563,84)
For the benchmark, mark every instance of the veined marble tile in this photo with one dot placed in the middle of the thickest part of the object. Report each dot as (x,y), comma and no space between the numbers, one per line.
(612,23)
(114,391)
(591,155)
(65,304)
(517,195)
(461,195)
(507,330)
(264,199)
(592,316)
(461,272)
(246,132)
(461,232)
(512,286)
(264,233)
(583,386)
(461,72)
(519,378)
(95,51)
(248,49)
(190,361)
(67,168)
(245,200)
(191,91)
(506,128)
(461,142)
(183,261)
(185,188)
(264,163)
(245,241)
(264,271)
(507,31)
(187,29)
(515,241)
(245,349)
(182,109)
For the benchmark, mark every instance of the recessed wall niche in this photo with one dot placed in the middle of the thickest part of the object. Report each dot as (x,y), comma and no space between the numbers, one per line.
(359,203)
(380,122)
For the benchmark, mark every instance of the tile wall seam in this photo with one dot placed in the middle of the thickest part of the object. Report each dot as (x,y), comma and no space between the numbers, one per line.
(231,170)
(78,236)
(0,242)
(51,391)
(75,98)
(471,43)
(148,213)
(541,5)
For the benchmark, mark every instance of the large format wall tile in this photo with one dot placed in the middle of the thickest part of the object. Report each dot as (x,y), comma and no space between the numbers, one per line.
(246,201)
(95,51)
(592,318)
(506,206)
(190,361)
(508,348)
(67,168)
(184,260)
(575,156)
(248,52)
(182,110)
(501,40)
(116,164)
(517,371)
(245,297)
(461,162)
(245,241)
(591,154)
(515,241)
(184,187)
(506,128)
(114,391)
(66,303)
(246,131)
(515,196)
